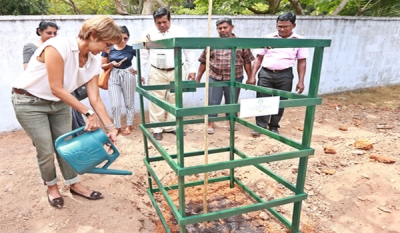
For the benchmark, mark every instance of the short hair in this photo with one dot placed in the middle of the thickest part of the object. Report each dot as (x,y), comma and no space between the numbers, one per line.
(224,20)
(124,30)
(161,12)
(45,24)
(102,27)
(287,16)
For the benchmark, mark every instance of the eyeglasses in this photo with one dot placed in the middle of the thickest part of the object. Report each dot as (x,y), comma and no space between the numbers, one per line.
(125,38)
(283,27)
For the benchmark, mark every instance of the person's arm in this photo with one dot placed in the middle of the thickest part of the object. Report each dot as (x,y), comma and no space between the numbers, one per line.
(256,66)
(27,53)
(247,68)
(191,63)
(301,70)
(105,64)
(200,72)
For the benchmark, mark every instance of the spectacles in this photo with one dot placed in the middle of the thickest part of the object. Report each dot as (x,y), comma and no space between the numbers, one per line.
(125,38)
(283,27)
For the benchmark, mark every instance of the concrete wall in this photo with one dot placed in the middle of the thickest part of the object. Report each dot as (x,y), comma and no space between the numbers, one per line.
(363,51)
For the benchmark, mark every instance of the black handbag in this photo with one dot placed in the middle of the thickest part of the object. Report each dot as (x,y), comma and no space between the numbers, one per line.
(80,93)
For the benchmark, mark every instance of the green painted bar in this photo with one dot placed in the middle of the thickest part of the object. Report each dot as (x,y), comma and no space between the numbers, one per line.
(153,200)
(228,43)
(243,162)
(270,173)
(191,154)
(195,183)
(161,103)
(241,210)
(232,116)
(170,203)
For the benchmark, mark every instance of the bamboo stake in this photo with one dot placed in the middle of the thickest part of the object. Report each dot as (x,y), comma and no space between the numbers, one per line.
(205,186)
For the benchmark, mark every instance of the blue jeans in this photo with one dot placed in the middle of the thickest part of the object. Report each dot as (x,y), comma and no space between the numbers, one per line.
(215,94)
(45,121)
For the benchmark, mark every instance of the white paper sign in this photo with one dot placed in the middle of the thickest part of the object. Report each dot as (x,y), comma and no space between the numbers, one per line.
(259,106)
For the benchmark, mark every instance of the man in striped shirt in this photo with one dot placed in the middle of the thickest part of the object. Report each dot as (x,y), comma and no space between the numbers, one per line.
(220,68)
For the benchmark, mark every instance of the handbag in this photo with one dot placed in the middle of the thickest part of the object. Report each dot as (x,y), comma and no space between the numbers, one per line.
(103,78)
(80,93)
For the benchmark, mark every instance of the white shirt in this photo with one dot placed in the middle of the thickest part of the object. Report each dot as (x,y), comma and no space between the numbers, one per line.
(35,79)
(165,55)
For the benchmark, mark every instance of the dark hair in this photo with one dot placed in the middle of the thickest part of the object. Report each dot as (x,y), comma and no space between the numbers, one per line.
(224,20)
(288,16)
(124,29)
(45,24)
(161,12)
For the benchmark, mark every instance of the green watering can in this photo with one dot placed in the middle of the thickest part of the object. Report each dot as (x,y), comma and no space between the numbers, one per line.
(85,151)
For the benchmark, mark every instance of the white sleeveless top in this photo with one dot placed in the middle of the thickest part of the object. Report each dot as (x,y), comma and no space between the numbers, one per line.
(35,79)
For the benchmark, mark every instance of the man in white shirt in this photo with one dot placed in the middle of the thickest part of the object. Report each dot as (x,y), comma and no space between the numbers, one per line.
(162,67)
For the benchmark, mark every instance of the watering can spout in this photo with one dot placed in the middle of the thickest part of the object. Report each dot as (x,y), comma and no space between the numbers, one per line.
(84,152)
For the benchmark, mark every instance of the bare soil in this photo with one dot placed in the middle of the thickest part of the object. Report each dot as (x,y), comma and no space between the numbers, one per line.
(348,191)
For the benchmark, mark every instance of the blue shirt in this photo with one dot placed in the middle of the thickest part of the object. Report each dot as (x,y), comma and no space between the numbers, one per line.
(117,55)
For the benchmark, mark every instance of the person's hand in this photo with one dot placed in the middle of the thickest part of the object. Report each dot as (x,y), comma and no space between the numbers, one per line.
(198,79)
(191,76)
(133,71)
(112,135)
(115,64)
(251,81)
(92,123)
(143,81)
(300,88)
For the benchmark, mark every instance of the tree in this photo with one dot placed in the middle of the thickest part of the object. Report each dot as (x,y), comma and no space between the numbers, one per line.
(24,7)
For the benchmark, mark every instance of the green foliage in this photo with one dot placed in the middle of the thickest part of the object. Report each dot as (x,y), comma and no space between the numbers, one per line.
(23,7)
(86,7)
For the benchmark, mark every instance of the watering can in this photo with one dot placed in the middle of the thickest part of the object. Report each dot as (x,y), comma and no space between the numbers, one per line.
(85,151)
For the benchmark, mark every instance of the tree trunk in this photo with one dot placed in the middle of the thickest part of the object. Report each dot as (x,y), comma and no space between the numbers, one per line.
(341,6)
(297,7)
(71,3)
(149,5)
(121,7)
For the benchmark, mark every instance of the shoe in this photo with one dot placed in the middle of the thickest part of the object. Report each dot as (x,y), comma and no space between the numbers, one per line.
(274,130)
(93,196)
(174,132)
(127,131)
(56,202)
(158,136)
(236,127)
(255,134)
(210,130)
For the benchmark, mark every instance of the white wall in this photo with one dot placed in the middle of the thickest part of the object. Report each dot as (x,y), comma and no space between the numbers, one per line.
(363,53)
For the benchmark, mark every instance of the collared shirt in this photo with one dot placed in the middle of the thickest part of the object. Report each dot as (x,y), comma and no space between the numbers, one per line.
(35,79)
(220,62)
(164,58)
(281,58)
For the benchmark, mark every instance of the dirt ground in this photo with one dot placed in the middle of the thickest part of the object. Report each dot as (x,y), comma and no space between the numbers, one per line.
(347,190)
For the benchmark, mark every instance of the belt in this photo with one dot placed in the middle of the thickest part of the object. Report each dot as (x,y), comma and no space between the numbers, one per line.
(164,69)
(277,71)
(22,92)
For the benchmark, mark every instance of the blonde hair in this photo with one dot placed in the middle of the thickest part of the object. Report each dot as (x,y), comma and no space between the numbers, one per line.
(101,27)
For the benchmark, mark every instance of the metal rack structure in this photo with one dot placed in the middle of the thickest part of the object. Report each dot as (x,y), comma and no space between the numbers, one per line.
(177,161)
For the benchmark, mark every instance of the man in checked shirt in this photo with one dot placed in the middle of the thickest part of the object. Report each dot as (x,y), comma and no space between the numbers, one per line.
(220,67)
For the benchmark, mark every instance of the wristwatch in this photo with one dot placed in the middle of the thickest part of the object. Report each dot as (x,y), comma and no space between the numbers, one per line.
(89,113)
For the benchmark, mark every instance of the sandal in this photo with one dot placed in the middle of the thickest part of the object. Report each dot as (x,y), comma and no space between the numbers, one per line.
(56,202)
(93,196)
(127,131)
(210,130)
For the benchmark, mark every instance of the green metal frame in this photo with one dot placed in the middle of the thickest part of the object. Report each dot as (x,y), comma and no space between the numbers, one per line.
(302,152)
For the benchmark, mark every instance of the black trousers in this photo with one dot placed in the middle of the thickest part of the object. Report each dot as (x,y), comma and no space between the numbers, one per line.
(282,81)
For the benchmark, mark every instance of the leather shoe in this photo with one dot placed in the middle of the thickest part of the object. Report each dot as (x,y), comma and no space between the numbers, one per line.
(93,196)
(158,136)
(255,134)
(174,132)
(56,202)
(274,130)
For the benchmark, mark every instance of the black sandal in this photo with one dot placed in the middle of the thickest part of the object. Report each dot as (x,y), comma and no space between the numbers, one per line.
(93,196)
(56,202)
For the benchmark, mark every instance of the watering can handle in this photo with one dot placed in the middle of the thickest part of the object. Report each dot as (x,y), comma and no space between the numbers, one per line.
(64,136)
